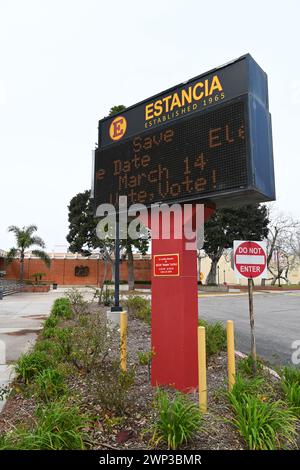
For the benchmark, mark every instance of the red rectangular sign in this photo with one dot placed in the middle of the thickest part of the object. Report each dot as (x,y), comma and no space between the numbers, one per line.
(166,265)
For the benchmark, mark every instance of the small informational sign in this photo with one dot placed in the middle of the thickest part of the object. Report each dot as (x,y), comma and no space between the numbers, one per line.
(250,259)
(166,265)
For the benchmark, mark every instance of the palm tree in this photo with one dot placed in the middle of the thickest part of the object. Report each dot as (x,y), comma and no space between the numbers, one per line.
(25,238)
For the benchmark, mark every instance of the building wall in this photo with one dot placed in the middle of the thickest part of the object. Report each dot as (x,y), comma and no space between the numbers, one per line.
(62,270)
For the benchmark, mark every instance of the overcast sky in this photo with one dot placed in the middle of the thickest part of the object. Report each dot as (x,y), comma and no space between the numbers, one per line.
(65,63)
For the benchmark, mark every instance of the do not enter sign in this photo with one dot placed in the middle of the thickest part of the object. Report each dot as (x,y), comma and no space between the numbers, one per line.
(250,259)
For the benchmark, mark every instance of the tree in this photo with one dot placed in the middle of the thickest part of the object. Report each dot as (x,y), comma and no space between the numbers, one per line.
(82,230)
(283,245)
(248,222)
(83,239)
(25,239)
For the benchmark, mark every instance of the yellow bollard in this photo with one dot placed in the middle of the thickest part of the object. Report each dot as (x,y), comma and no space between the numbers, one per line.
(123,335)
(202,369)
(230,354)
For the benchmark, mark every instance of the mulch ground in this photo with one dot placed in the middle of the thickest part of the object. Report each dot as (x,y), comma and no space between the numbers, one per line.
(132,431)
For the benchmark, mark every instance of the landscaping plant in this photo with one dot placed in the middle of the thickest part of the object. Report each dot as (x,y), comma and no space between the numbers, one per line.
(215,337)
(58,426)
(178,420)
(264,425)
(290,383)
(29,365)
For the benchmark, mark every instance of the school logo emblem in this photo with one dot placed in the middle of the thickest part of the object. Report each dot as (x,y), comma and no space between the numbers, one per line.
(118,127)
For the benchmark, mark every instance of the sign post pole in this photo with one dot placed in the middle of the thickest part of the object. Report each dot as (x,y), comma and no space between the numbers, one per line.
(251,314)
(250,261)
(116,307)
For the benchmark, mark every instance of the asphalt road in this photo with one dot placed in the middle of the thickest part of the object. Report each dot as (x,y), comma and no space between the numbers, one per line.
(277,321)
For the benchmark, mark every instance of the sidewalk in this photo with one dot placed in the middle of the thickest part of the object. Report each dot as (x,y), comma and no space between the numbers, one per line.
(21,318)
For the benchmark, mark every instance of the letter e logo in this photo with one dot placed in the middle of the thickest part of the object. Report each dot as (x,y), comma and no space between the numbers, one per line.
(117,128)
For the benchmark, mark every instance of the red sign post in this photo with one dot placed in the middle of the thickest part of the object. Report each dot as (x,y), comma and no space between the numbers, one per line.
(250,262)
(175,311)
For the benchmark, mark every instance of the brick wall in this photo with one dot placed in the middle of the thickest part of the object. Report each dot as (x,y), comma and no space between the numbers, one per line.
(62,271)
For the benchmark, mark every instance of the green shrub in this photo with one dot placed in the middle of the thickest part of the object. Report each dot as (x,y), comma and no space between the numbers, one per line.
(78,305)
(107,297)
(290,383)
(49,332)
(64,338)
(90,342)
(263,425)
(139,307)
(112,386)
(58,427)
(50,347)
(215,337)
(253,386)
(245,365)
(29,365)
(177,421)
(62,308)
(51,322)
(145,359)
(291,375)
(49,385)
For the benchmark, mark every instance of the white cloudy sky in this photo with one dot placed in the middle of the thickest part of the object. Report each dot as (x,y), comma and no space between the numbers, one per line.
(64,63)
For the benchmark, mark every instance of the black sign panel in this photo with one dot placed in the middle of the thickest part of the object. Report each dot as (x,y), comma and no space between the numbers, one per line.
(200,93)
(207,140)
(184,161)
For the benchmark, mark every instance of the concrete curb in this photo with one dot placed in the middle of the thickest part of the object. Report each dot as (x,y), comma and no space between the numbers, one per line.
(7,375)
(271,371)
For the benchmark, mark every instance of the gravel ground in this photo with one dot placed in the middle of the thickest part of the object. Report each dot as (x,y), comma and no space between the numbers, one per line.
(133,431)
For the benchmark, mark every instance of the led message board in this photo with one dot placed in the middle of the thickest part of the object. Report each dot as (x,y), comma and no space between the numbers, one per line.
(208,140)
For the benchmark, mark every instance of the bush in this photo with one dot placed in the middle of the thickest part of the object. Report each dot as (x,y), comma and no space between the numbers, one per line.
(49,347)
(49,332)
(49,385)
(78,305)
(290,383)
(58,427)
(178,419)
(248,386)
(112,386)
(61,308)
(215,337)
(139,307)
(64,338)
(245,366)
(145,359)
(91,342)
(107,297)
(51,322)
(29,365)
(263,425)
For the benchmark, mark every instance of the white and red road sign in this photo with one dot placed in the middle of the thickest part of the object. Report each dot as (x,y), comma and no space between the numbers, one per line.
(250,259)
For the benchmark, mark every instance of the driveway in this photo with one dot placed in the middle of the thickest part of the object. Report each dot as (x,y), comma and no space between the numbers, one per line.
(277,321)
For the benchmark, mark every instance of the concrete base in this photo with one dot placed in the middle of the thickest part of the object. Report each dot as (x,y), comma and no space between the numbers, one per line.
(113,318)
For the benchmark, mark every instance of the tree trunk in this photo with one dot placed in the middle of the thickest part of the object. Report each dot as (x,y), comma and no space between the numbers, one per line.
(112,270)
(212,275)
(130,268)
(22,267)
(103,281)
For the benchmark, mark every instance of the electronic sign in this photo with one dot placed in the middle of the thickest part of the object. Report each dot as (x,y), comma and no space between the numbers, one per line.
(207,140)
